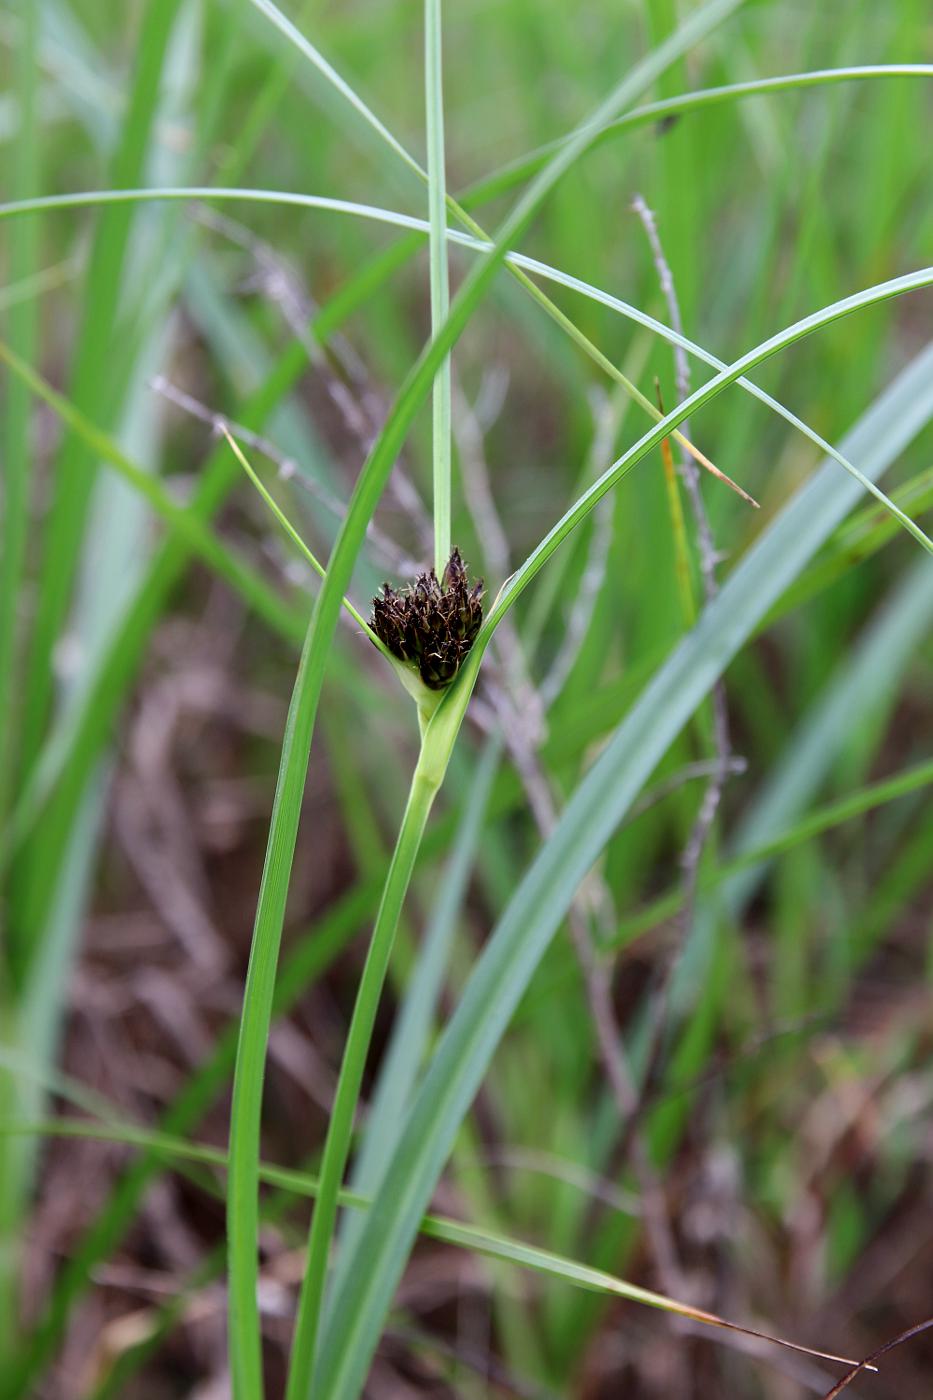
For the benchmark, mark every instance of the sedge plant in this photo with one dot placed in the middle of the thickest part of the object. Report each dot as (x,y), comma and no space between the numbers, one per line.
(432,629)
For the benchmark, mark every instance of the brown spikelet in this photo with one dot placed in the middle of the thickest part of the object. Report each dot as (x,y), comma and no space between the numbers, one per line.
(431,624)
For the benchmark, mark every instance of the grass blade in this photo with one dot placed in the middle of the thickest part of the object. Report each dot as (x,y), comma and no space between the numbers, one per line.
(592,814)
(896,286)
(491,1244)
(424,786)
(523,167)
(91,392)
(519,262)
(22,322)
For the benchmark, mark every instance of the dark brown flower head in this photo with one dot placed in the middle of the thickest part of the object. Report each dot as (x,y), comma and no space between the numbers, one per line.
(431,624)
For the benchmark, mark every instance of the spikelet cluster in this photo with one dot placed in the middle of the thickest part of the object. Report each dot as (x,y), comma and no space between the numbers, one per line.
(431,623)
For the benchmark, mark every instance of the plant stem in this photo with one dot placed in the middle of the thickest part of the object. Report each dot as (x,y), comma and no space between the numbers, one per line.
(440,292)
(424,785)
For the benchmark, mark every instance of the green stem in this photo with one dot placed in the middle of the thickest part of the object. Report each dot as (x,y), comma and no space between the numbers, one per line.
(440,290)
(425,782)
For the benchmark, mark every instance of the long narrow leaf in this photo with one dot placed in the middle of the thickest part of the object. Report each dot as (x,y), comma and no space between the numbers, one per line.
(666,108)
(521,262)
(436,1227)
(594,811)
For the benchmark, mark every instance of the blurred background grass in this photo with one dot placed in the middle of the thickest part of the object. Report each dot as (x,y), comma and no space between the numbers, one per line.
(143,697)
